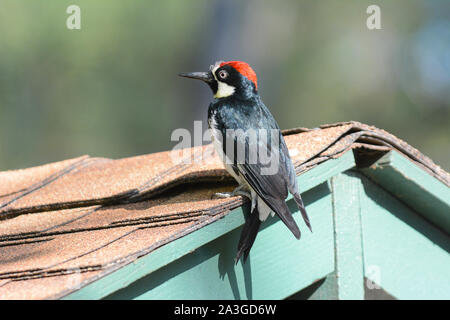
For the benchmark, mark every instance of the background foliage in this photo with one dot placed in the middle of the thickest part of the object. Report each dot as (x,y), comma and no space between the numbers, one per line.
(111,89)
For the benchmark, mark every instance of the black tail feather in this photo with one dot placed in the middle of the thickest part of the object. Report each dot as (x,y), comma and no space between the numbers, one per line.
(248,235)
(301,206)
(283,212)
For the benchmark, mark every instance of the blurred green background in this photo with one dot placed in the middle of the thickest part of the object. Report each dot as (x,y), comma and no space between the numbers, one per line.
(111,89)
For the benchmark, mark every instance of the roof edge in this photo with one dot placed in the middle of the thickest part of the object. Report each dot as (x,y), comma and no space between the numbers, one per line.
(414,186)
(393,172)
(108,282)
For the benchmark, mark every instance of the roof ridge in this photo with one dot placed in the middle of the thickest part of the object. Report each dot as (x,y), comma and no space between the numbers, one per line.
(351,133)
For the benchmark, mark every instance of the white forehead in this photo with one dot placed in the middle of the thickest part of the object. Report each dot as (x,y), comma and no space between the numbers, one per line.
(214,67)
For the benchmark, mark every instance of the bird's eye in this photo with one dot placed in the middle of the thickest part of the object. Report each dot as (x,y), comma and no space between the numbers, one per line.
(223,74)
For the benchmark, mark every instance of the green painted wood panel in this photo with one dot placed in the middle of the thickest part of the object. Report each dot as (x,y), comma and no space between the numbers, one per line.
(159,258)
(174,250)
(348,239)
(328,289)
(278,266)
(414,186)
(403,253)
(323,289)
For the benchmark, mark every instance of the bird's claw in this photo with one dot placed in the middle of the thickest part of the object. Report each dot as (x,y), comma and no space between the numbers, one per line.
(236,192)
(221,195)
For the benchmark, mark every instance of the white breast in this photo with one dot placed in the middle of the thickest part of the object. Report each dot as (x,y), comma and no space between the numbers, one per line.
(217,140)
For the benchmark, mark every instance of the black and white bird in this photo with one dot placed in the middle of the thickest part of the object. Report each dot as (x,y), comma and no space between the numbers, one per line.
(254,152)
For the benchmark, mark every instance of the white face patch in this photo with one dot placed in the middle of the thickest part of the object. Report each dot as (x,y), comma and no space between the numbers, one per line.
(223,89)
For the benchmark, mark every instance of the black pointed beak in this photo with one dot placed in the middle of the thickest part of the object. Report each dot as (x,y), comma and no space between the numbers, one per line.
(204,76)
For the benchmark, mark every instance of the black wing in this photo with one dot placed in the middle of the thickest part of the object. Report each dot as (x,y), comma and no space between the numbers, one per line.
(293,182)
(271,188)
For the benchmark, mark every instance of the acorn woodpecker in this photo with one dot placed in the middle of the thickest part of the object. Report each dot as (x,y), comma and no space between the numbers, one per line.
(250,143)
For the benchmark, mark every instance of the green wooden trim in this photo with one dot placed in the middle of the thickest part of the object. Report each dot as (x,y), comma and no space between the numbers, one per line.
(403,253)
(158,258)
(274,270)
(372,229)
(174,250)
(414,186)
(346,189)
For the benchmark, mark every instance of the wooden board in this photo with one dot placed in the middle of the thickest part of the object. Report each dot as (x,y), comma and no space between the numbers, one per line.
(278,266)
(403,253)
(148,264)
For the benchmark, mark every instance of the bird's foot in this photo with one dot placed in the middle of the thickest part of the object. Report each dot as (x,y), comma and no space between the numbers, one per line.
(236,192)
(222,195)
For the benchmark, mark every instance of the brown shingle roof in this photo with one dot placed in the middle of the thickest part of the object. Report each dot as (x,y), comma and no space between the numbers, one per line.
(76,220)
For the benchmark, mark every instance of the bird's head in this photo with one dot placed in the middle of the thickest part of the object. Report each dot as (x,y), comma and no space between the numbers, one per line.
(231,78)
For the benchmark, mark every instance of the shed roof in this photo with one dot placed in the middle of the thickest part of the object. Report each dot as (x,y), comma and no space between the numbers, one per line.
(66,224)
